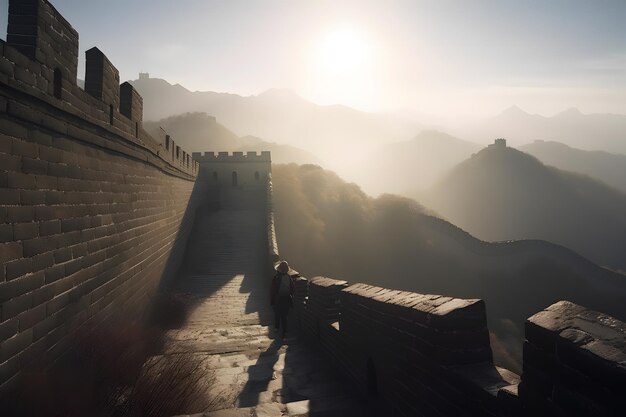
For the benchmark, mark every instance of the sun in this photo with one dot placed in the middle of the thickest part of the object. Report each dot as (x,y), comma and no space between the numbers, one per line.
(341,51)
(342,67)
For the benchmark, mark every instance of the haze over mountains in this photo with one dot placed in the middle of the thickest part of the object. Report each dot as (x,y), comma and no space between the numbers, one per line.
(607,167)
(199,132)
(403,167)
(330,132)
(584,131)
(328,227)
(503,194)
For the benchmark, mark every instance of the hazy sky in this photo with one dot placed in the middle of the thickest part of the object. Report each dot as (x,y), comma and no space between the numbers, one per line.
(460,58)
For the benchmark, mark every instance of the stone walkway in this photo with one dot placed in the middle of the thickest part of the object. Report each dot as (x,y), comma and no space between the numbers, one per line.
(223,358)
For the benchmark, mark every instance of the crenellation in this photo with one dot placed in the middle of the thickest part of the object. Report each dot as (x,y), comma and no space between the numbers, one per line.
(131,103)
(102,79)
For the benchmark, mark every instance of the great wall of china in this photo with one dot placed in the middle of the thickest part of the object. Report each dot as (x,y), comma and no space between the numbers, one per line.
(96,216)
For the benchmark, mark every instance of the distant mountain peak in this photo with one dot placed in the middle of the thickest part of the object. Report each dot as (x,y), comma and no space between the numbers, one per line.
(571,112)
(514,110)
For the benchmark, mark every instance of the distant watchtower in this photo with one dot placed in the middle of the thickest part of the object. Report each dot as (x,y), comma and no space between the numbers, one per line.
(240,170)
(500,143)
(144,75)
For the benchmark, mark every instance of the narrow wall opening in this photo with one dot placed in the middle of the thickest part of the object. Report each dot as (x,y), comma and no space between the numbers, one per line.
(234,178)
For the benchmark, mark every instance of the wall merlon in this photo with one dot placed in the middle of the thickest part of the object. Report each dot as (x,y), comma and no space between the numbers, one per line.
(131,103)
(249,156)
(102,79)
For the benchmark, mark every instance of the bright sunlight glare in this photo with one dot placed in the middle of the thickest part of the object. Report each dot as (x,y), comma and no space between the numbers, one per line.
(342,67)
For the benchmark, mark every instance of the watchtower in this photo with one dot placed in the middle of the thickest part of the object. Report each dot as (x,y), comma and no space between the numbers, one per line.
(234,170)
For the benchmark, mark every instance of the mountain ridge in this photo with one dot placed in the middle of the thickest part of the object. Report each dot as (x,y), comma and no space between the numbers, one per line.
(504,194)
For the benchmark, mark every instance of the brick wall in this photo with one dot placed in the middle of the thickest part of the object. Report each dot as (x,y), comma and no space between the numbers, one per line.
(423,354)
(94,212)
(574,363)
(429,355)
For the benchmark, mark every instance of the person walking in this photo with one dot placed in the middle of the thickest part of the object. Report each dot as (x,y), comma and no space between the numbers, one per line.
(281,295)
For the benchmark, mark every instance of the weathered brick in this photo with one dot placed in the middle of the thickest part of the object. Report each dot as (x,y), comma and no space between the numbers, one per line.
(54,273)
(10,251)
(43,294)
(34,166)
(50,154)
(34,247)
(30,282)
(55,197)
(9,196)
(42,261)
(62,255)
(79,250)
(46,182)
(22,231)
(10,162)
(16,305)
(14,345)
(20,214)
(57,303)
(32,197)
(8,329)
(19,180)
(18,268)
(58,169)
(23,148)
(6,232)
(51,227)
(73,267)
(29,318)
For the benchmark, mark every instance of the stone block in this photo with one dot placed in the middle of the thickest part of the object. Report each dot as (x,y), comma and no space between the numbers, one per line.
(10,251)
(31,317)
(8,329)
(6,233)
(15,306)
(11,347)
(21,147)
(20,214)
(21,181)
(9,196)
(18,268)
(32,197)
(51,227)
(34,166)
(36,246)
(10,162)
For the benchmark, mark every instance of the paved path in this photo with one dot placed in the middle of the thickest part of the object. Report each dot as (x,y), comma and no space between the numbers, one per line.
(222,360)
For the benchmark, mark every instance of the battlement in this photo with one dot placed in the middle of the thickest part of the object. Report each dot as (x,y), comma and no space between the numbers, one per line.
(499,143)
(40,59)
(250,156)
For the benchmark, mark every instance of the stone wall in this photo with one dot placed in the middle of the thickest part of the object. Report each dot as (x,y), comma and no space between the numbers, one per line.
(429,355)
(574,363)
(424,355)
(93,211)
